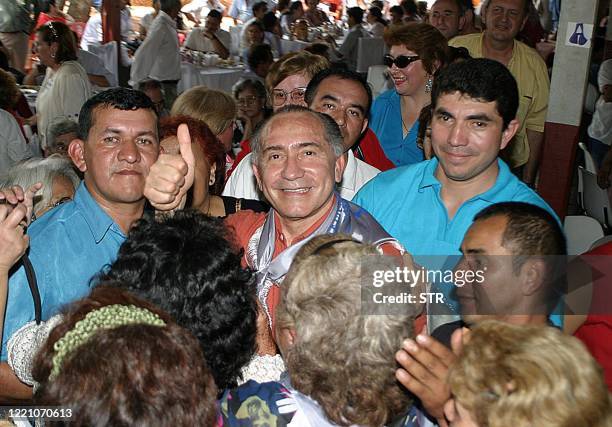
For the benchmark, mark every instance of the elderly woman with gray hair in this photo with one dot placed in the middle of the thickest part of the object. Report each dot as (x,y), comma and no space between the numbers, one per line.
(339,358)
(55,173)
(59,135)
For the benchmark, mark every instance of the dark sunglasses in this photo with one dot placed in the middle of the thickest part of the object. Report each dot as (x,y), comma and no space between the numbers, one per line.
(401,61)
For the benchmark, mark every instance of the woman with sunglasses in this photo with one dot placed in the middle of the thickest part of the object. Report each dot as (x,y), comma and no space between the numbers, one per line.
(66,86)
(416,52)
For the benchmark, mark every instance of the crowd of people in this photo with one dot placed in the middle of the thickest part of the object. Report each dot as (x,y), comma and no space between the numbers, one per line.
(234,258)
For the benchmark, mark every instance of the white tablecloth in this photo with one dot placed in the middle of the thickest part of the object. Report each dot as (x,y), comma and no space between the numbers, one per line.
(211,77)
(292,45)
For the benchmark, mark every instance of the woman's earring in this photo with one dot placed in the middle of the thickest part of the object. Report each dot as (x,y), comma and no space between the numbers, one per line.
(211,181)
(428,85)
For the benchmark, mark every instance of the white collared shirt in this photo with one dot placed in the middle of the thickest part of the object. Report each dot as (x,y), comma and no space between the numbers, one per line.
(197,41)
(158,57)
(242,185)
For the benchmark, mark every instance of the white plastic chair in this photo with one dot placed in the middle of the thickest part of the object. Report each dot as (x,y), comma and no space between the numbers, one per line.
(370,51)
(589,163)
(581,232)
(595,200)
(378,80)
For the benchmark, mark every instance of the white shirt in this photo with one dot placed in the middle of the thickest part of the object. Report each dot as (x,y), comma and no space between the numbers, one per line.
(13,146)
(200,8)
(62,94)
(94,65)
(350,45)
(243,9)
(158,56)
(601,125)
(197,41)
(147,20)
(376,29)
(241,183)
(93,29)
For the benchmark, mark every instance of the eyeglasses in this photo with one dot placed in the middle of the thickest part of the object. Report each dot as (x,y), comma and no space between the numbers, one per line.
(401,61)
(279,96)
(249,100)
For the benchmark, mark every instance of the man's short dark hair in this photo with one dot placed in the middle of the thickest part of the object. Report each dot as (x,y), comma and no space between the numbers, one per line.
(260,5)
(169,5)
(396,9)
(409,6)
(214,13)
(187,265)
(356,13)
(480,79)
(343,74)
(530,231)
(259,54)
(269,20)
(120,98)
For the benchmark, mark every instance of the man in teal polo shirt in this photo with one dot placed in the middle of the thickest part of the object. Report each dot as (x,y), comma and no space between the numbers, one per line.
(430,205)
(117,145)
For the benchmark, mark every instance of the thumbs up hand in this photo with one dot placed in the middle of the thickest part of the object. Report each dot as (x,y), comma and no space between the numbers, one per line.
(171,176)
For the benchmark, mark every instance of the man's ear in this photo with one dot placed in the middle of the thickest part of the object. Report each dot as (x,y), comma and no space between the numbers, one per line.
(340,166)
(532,276)
(509,133)
(365,126)
(461,23)
(212,176)
(76,151)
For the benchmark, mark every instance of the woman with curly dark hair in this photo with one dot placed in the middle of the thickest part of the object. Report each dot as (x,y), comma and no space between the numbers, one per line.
(115,360)
(187,265)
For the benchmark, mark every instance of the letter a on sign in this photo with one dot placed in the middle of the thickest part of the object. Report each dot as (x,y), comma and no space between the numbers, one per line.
(578,34)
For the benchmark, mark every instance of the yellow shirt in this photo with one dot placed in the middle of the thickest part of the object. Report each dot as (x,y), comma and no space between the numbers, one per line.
(531,75)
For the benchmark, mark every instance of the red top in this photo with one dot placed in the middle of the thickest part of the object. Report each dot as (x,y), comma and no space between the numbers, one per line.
(596,331)
(43,18)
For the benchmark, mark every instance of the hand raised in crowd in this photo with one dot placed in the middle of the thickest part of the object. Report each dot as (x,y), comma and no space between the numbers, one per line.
(15,196)
(424,367)
(171,176)
(13,240)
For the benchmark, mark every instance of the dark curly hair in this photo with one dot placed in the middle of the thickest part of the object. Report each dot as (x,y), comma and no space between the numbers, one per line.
(188,266)
(129,375)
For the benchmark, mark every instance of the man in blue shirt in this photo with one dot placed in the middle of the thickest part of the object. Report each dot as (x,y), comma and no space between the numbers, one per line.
(117,145)
(430,205)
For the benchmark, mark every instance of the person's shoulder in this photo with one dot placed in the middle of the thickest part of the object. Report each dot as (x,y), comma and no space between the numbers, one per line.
(465,40)
(54,223)
(518,191)
(384,99)
(243,224)
(69,68)
(529,55)
(403,174)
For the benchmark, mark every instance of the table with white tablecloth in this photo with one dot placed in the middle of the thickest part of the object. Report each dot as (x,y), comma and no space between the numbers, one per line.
(212,77)
(293,45)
